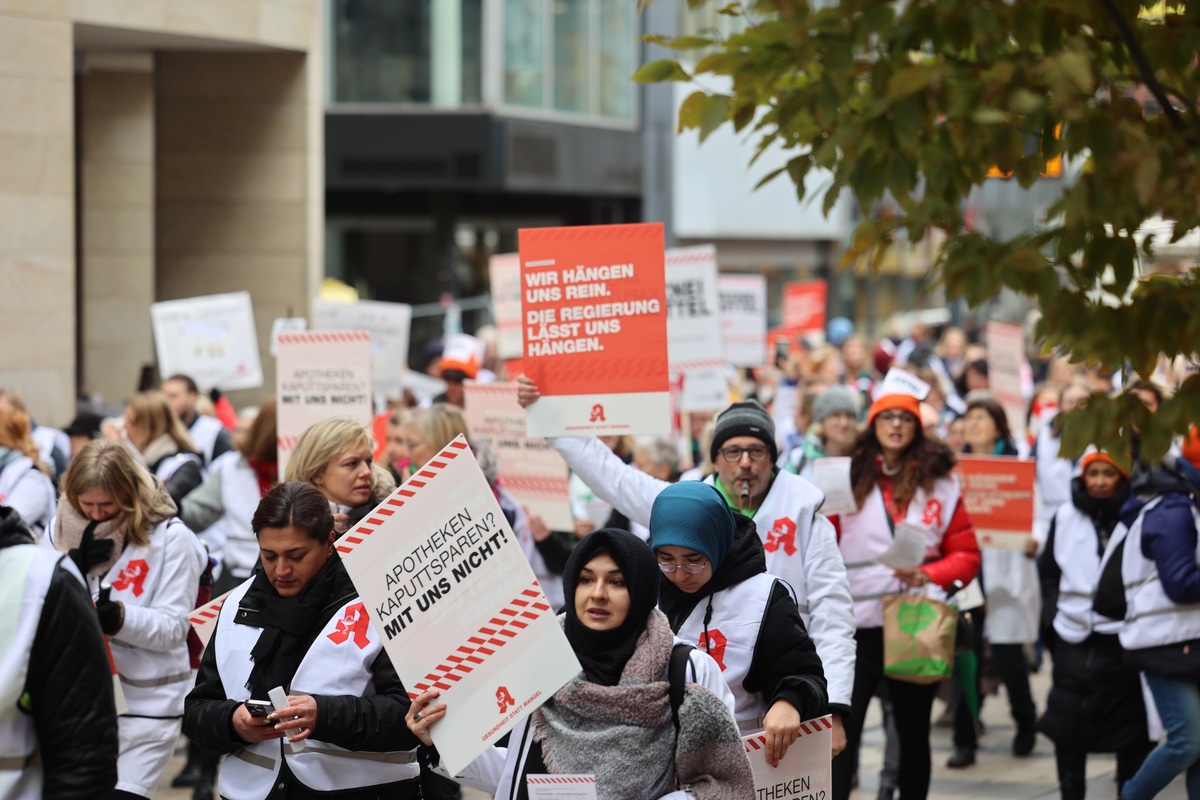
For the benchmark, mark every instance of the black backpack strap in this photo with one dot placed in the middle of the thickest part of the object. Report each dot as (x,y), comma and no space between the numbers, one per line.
(676,678)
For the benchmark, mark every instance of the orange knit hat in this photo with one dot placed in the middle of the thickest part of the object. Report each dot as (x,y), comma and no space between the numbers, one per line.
(903,402)
(1092,456)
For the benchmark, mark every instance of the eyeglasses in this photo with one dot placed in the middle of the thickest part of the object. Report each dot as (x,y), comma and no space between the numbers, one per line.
(903,417)
(694,569)
(734,454)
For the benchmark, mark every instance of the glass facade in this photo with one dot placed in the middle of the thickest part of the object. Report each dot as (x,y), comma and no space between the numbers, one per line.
(403,51)
(561,57)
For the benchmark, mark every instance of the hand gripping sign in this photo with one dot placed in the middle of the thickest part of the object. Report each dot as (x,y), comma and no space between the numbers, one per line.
(442,575)
(802,774)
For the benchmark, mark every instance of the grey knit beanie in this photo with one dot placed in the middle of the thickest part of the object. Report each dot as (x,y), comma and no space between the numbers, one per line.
(747,418)
(833,400)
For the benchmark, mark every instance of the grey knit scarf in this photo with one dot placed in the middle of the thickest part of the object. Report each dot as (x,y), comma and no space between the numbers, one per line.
(624,736)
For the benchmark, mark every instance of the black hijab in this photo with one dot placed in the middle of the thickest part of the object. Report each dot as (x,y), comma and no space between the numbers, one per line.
(603,653)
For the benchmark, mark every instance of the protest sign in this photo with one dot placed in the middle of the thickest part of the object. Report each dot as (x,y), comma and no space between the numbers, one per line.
(529,467)
(285,325)
(443,579)
(320,375)
(997,492)
(804,307)
(388,324)
(593,303)
(832,476)
(694,342)
(561,787)
(204,619)
(211,338)
(504,271)
(743,318)
(1005,358)
(803,773)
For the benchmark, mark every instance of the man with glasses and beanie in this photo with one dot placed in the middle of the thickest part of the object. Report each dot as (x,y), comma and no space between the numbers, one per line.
(800,543)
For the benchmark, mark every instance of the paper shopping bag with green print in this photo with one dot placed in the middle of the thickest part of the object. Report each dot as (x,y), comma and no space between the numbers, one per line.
(918,638)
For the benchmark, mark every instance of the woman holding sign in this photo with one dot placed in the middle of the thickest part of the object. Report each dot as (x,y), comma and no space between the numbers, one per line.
(1010,580)
(143,566)
(298,623)
(902,484)
(616,720)
(715,591)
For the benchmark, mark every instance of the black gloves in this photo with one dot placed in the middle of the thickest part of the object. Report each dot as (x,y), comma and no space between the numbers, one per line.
(90,551)
(110,612)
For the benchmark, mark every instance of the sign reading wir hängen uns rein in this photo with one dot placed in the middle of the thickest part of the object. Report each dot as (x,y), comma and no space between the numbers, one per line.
(443,578)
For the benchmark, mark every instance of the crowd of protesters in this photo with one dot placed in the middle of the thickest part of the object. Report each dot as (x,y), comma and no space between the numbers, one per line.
(714,538)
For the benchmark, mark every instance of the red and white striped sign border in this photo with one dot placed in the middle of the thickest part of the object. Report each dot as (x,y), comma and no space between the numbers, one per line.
(287,443)
(681,367)
(674,258)
(208,612)
(410,488)
(499,631)
(535,484)
(552,780)
(740,280)
(324,337)
(818,725)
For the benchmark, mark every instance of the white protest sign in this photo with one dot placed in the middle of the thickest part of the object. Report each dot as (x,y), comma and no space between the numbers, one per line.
(285,325)
(693,310)
(898,381)
(504,272)
(211,338)
(443,578)
(561,787)
(832,476)
(704,389)
(1005,357)
(388,324)
(744,318)
(803,773)
(907,549)
(320,375)
(204,619)
(529,467)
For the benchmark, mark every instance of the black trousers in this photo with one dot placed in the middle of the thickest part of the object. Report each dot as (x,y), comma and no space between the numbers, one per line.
(1010,666)
(911,703)
(1072,767)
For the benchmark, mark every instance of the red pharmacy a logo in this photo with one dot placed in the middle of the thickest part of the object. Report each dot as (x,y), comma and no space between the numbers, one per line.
(597,414)
(133,576)
(504,699)
(354,624)
(783,534)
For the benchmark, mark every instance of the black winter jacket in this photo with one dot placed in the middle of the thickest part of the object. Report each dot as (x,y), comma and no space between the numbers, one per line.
(70,690)
(367,724)
(785,665)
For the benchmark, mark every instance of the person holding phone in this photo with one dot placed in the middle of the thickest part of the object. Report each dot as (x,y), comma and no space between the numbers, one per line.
(298,623)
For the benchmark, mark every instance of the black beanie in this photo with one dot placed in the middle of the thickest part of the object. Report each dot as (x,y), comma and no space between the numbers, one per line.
(747,418)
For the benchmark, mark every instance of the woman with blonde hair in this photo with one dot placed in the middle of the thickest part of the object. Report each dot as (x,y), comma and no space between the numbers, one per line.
(25,484)
(142,567)
(336,456)
(165,445)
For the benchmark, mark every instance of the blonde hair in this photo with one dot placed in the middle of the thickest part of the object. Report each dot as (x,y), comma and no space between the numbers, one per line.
(324,442)
(154,415)
(15,434)
(109,465)
(440,423)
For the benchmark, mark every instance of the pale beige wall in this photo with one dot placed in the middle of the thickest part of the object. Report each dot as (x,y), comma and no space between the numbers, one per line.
(37,211)
(265,235)
(232,182)
(117,245)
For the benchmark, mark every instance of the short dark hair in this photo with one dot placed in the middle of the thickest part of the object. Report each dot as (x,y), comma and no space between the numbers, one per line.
(295,504)
(186,380)
(997,413)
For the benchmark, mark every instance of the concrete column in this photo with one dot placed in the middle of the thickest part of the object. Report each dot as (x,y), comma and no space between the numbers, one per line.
(117,213)
(233,182)
(37,213)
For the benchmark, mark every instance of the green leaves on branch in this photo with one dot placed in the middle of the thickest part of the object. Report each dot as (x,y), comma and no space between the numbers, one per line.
(910,105)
